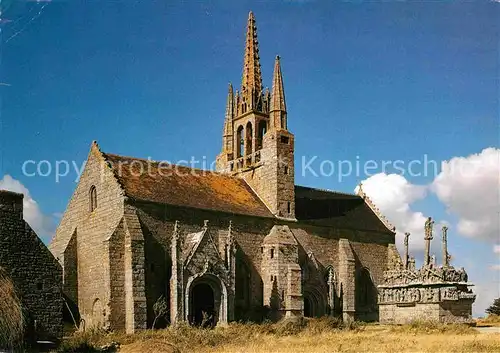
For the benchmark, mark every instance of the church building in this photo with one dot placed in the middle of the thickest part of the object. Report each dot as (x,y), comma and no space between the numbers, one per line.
(239,243)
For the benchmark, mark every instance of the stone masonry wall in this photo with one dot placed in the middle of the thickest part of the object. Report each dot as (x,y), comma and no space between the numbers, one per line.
(369,249)
(93,229)
(273,178)
(36,274)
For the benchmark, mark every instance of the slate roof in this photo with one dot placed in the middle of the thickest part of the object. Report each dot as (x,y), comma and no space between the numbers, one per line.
(183,186)
(330,208)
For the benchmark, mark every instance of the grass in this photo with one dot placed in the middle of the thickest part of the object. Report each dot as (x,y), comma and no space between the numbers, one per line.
(308,335)
(11,313)
(490,320)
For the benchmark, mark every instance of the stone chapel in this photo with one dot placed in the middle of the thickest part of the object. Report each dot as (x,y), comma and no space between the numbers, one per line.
(239,243)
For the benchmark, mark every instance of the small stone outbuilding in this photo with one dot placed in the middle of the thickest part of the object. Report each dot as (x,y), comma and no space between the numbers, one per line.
(33,270)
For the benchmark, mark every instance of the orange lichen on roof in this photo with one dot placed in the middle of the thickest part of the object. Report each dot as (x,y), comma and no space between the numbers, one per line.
(165,183)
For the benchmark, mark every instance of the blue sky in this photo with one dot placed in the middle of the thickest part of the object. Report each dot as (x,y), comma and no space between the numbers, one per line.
(363,81)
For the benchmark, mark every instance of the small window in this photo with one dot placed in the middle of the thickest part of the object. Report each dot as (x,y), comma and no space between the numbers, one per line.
(286,170)
(272,253)
(93,198)
(288,207)
(285,139)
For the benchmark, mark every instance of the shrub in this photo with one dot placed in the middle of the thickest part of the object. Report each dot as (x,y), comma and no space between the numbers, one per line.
(494,309)
(12,321)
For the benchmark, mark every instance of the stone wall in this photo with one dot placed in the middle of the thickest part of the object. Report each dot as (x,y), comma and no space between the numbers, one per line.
(36,274)
(369,250)
(87,278)
(273,178)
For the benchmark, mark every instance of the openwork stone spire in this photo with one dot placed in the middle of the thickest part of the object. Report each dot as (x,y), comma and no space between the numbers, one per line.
(251,84)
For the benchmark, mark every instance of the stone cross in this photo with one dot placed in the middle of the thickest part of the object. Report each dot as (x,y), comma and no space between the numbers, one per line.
(429,223)
(444,244)
(407,236)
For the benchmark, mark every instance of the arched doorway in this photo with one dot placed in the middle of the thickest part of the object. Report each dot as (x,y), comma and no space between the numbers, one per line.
(203,312)
(308,307)
(207,301)
(314,304)
(98,313)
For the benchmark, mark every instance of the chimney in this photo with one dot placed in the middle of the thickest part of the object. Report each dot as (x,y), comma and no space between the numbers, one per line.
(11,204)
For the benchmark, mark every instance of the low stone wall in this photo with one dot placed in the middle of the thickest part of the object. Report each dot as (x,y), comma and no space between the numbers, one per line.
(443,302)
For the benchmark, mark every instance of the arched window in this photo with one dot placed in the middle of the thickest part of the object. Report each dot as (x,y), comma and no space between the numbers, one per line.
(92,198)
(240,142)
(249,138)
(260,133)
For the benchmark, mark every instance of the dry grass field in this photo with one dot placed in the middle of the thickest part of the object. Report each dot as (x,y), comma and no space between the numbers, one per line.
(319,335)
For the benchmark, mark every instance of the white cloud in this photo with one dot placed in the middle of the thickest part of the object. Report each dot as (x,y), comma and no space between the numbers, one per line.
(470,188)
(496,250)
(393,195)
(486,292)
(42,224)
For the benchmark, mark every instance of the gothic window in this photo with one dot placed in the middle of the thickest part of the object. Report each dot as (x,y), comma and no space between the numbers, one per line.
(240,142)
(92,198)
(249,137)
(260,133)
(272,253)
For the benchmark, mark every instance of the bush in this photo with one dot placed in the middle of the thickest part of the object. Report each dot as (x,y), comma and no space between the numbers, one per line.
(494,308)
(12,321)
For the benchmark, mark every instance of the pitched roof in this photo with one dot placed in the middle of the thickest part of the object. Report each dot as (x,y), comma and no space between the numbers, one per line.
(330,208)
(183,186)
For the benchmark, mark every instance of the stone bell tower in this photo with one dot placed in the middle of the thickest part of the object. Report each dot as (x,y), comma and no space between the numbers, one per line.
(256,143)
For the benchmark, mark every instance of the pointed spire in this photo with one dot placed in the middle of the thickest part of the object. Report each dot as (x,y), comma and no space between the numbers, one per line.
(227,134)
(230,104)
(278,92)
(277,107)
(251,83)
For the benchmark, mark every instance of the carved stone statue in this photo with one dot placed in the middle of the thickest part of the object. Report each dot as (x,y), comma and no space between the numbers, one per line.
(407,236)
(444,244)
(429,223)
(411,264)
